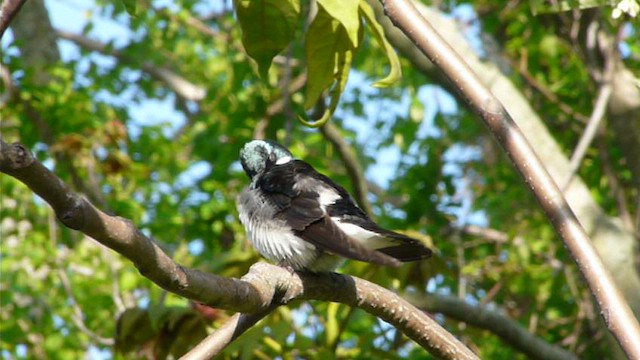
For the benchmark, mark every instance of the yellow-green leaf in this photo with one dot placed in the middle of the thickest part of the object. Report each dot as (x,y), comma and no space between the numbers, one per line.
(545,7)
(395,71)
(268,26)
(347,14)
(325,42)
(343,67)
(332,328)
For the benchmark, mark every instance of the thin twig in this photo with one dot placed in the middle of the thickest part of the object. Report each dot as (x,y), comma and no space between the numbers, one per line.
(351,163)
(341,329)
(617,191)
(615,311)
(589,133)
(548,94)
(77,315)
(116,294)
(235,326)
(181,86)
(277,107)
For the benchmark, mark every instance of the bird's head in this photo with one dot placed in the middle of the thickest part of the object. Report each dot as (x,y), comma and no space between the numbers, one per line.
(257,155)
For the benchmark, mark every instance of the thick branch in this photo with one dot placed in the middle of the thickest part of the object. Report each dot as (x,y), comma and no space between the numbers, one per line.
(507,329)
(614,243)
(264,286)
(615,311)
(8,11)
(121,235)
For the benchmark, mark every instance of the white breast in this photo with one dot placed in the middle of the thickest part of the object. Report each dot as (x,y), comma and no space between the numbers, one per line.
(271,236)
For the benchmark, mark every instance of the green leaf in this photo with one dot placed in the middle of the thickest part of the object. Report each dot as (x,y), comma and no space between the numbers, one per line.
(346,13)
(332,328)
(395,71)
(130,6)
(135,7)
(268,26)
(545,7)
(325,43)
(343,65)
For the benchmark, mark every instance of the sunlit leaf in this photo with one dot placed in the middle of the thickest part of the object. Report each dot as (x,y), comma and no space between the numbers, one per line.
(268,26)
(347,14)
(395,71)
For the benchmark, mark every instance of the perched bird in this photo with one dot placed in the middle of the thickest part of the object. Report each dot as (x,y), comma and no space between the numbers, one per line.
(299,218)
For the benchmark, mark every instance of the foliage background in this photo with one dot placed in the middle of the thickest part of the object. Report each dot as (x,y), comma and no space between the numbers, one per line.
(101,106)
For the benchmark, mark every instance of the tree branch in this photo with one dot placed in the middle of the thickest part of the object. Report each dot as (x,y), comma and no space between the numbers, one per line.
(217,341)
(262,287)
(181,86)
(351,163)
(615,311)
(614,243)
(480,316)
(599,109)
(8,11)
(277,107)
(77,316)
(121,235)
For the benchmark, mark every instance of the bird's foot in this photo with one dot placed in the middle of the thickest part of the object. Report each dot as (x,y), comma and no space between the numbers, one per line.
(287,267)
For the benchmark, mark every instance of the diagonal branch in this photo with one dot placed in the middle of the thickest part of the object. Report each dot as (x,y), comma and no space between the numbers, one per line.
(120,234)
(615,311)
(351,163)
(8,10)
(599,109)
(181,86)
(262,287)
(217,341)
(482,317)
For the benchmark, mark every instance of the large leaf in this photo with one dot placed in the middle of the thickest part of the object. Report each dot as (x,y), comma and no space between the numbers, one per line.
(326,42)
(346,13)
(268,26)
(395,71)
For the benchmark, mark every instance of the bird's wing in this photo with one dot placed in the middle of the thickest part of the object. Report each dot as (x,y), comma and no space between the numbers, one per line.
(399,246)
(301,201)
(343,207)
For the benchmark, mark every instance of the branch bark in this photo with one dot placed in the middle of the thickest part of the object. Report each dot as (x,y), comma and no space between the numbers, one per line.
(181,86)
(262,287)
(614,243)
(614,310)
(217,341)
(480,316)
(8,11)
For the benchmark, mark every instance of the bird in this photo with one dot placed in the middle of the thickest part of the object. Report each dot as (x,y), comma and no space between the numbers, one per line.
(302,220)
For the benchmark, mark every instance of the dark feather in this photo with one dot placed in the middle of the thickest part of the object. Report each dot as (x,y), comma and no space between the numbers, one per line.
(327,236)
(301,209)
